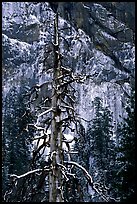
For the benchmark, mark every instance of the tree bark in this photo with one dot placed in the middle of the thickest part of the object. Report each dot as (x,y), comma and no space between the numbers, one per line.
(55,177)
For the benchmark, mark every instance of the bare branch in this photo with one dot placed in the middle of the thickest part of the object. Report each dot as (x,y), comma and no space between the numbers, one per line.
(70,174)
(66,70)
(71,99)
(67,125)
(72,152)
(68,141)
(66,83)
(61,165)
(88,176)
(100,193)
(83,119)
(87,7)
(64,28)
(67,107)
(52,155)
(62,77)
(37,127)
(41,137)
(66,103)
(45,112)
(67,179)
(28,173)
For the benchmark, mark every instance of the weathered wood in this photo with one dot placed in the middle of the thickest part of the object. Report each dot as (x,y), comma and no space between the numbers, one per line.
(55,177)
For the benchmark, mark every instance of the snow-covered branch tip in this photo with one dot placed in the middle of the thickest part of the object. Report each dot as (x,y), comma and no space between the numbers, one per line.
(65,176)
(52,154)
(88,121)
(61,165)
(45,112)
(67,107)
(38,128)
(100,193)
(67,70)
(45,136)
(28,173)
(87,7)
(68,140)
(88,176)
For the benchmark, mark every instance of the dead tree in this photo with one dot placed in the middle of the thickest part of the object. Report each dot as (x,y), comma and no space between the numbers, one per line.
(55,178)
(52,122)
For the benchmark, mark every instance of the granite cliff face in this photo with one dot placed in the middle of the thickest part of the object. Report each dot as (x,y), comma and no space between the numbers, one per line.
(95,38)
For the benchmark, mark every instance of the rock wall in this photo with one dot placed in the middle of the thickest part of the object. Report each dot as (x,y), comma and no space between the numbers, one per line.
(95,38)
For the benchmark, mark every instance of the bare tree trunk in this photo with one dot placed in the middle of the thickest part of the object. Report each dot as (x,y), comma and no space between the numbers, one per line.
(55,177)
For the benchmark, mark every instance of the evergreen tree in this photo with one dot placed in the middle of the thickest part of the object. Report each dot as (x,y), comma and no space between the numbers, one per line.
(102,145)
(96,148)
(82,147)
(101,134)
(15,140)
(82,142)
(125,175)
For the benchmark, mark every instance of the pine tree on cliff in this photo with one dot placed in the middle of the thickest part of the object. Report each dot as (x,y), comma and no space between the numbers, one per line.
(101,133)
(96,145)
(15,150)
(125,174)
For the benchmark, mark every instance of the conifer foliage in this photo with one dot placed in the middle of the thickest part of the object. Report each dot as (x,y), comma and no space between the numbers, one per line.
(97,146)
(15,149)
(101,133)
(125,176)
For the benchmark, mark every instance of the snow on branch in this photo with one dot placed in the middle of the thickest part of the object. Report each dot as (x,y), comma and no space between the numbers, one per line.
(37,127)
(65,172)
(87,7)
(66,103)
(67,179)
(71,99)
(39,86)
(62,76)
(70,174)
(83,119)
(45,112)
(71,152)
(66,69)
(67,107)
(121,169)
(66,83)
(41,137)
(89,178)
(68,140)
(54,153)
(28,173)
(54,44)
(100,193)
(61,165)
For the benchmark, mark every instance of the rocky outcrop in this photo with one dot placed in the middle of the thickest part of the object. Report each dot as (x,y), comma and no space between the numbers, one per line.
(96,39)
